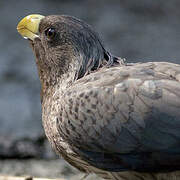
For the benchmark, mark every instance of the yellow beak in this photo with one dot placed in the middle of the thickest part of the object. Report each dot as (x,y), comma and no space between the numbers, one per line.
(28,27)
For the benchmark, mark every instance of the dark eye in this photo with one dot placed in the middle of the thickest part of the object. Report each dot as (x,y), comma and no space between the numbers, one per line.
(50,33)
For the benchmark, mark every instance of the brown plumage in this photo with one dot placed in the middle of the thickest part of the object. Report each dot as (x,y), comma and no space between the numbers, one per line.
(118,120)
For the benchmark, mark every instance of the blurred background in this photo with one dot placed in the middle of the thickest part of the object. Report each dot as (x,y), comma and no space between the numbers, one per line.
(137,30)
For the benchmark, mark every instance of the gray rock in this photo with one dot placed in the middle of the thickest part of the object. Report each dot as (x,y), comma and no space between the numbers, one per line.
(42,168)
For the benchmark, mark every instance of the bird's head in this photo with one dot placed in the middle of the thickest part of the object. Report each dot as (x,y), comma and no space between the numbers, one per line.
(65,47)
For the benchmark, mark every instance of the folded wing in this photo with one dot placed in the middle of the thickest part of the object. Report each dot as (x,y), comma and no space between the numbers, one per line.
(125,118)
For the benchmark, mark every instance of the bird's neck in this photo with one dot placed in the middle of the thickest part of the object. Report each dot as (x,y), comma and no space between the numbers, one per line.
(53,83)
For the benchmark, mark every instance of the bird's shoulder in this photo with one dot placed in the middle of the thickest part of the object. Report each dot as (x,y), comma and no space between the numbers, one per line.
(108,76)
(127,77)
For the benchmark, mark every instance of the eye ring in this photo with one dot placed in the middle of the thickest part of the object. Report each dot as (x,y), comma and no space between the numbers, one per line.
(50,33)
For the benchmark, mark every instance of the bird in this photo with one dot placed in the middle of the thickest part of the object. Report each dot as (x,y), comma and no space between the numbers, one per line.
(102,114)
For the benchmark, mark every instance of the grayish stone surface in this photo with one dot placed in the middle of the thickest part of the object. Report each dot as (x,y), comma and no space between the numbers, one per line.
(42,168)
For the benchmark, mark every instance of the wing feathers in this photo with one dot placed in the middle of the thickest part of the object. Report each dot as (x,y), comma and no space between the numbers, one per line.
(126,115)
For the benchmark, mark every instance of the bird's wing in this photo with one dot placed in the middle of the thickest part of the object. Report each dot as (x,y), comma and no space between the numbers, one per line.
(125,117)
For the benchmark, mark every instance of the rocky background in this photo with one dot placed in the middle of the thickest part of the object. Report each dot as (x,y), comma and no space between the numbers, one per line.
(138,30)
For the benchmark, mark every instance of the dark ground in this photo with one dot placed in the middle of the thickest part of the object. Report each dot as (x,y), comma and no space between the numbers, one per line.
(137,30)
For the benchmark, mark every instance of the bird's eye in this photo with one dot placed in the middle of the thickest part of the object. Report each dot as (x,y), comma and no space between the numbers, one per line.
(50,33)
